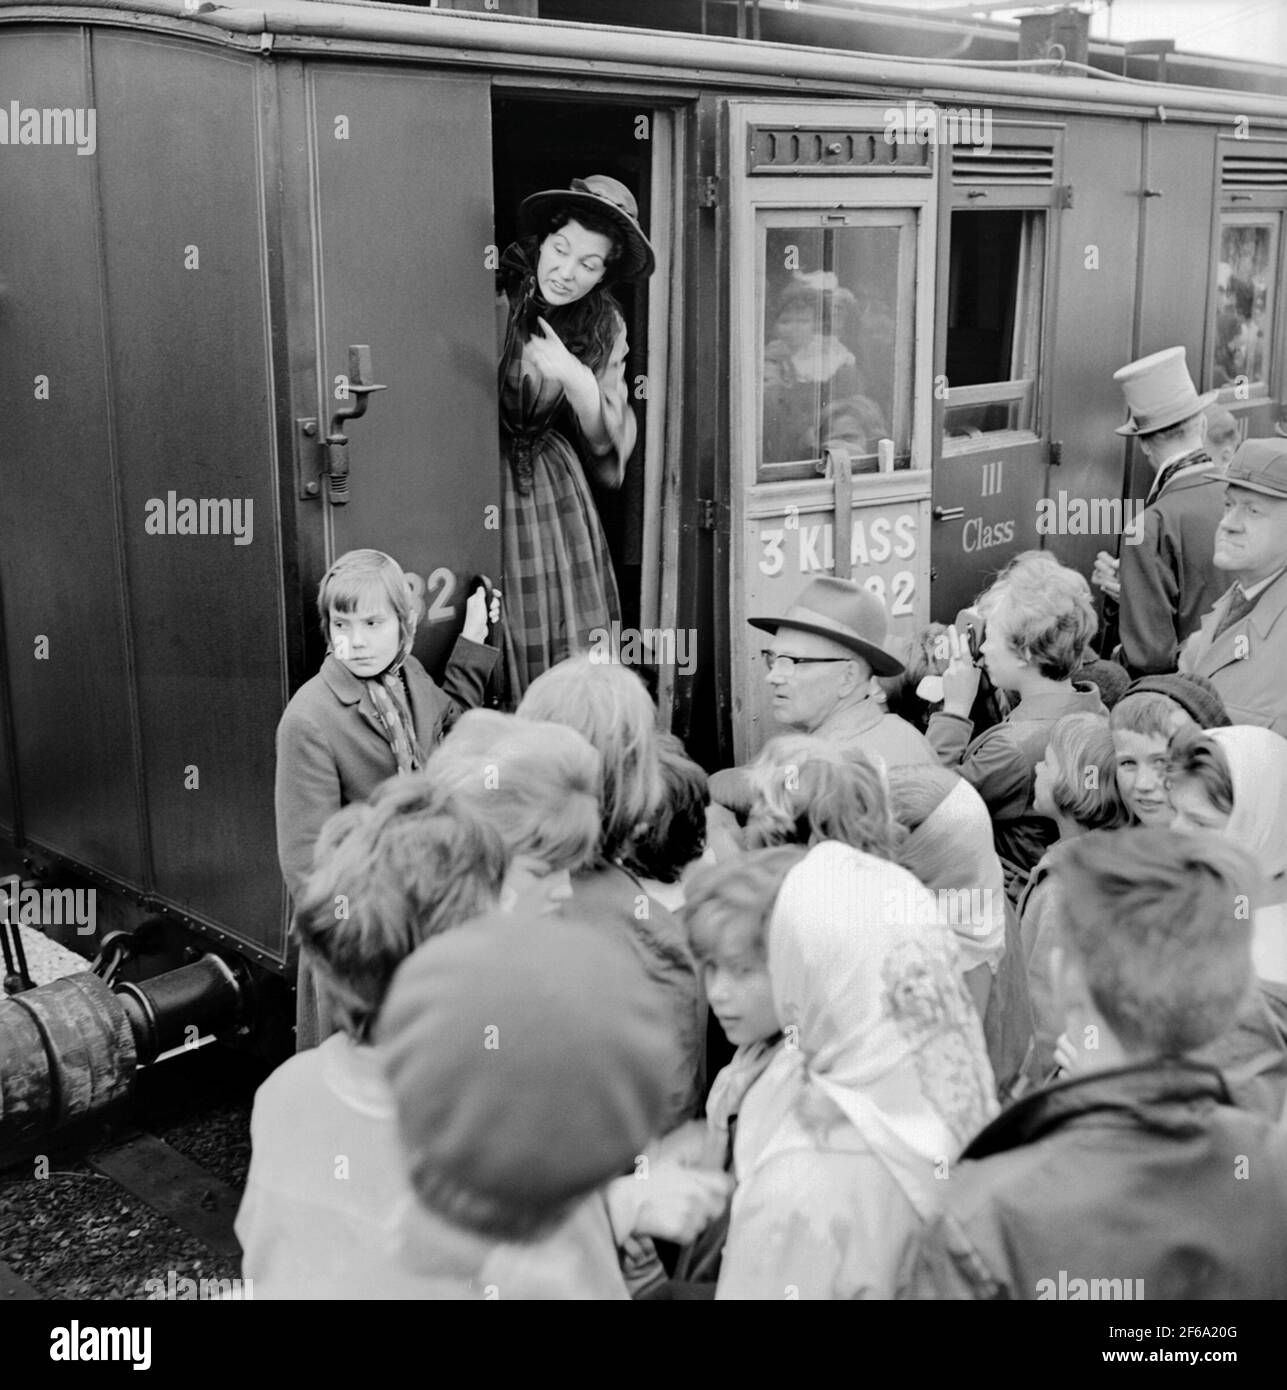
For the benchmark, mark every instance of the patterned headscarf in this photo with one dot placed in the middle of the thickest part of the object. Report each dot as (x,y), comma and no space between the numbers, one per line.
(865,980)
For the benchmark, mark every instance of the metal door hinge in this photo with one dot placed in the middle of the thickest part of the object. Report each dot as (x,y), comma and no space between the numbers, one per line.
(1056,453)
(706,514)
(708,191)
(1064,198)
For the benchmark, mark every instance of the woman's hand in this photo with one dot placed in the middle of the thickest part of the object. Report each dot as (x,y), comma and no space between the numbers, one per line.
(960,686)
(548,354)
(478,616)
(551,358)
(1106,574)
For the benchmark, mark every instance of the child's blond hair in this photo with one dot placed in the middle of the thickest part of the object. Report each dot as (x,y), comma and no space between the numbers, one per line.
(727,906)
(1044,612)
(807,789)
(360,576)
(610,707)
(536,783)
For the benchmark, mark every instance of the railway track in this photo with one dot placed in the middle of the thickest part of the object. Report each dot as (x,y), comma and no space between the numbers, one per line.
(141,1207)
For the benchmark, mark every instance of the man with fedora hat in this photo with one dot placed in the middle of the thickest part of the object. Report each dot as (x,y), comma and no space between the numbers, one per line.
(1167,576)
(1242,643)
(820,666)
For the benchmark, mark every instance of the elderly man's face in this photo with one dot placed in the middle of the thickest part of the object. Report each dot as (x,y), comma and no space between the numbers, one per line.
(1251,539)
(804,696)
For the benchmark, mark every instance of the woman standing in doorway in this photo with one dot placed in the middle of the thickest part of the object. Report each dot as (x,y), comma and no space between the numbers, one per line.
(565,413)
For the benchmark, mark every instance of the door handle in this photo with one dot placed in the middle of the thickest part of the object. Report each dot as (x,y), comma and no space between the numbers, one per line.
(948,513)
(336,447)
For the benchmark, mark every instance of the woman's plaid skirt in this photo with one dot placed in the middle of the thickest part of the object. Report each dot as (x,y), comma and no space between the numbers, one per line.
(559,584)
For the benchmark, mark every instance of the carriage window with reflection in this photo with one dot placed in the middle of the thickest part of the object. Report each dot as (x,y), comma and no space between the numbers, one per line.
(1244,299)
(993,322)
(836,308)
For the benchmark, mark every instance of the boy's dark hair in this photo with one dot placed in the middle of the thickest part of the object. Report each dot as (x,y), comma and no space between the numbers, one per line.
(388,874)
(1160,922)
(678,832)
(1194,756)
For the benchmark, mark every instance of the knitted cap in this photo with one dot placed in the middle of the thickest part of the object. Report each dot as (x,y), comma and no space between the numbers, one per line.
(1111,679)
(528,1062)
(1194,694)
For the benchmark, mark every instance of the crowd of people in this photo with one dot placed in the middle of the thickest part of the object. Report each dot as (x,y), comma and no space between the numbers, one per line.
(972,984)
(913,1005)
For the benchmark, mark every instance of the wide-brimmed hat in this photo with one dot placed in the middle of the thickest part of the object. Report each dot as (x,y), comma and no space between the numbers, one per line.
(846,613)
(609,198)
(1159,392)
(1258,464)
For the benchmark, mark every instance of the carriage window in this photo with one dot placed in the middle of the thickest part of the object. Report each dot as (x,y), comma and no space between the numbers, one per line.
(993,323)
(836,306)
(1244,299)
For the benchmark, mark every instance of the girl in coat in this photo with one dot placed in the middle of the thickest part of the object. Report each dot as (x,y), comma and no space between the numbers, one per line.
(370,712)
(565,414)
(881,1083)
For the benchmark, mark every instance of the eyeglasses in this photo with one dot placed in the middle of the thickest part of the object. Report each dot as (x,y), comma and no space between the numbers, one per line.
(775,659)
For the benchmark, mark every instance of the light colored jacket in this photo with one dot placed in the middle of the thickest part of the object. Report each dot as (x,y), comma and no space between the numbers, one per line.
(1247,663)
(329,1211)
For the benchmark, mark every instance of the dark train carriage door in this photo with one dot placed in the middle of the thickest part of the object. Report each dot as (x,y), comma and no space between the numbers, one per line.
(831,266)
(401,233)
(1000,197)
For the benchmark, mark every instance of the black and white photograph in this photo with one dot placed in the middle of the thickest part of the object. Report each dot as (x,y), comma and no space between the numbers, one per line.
(643,657)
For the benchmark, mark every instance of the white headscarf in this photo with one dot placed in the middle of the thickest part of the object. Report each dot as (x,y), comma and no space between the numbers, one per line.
(961,867)
(1257,761)
(865,980)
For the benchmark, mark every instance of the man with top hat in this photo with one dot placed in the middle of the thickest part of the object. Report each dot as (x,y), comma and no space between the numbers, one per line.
(820,666)
(1167,576)
(1241,646)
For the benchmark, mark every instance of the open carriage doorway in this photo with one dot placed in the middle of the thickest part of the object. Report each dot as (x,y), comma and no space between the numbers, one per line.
(545,142)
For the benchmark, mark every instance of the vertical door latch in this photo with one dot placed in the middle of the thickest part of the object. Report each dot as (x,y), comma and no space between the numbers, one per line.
(358,385)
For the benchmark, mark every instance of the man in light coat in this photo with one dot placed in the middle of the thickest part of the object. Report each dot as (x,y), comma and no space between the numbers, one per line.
(1242,643)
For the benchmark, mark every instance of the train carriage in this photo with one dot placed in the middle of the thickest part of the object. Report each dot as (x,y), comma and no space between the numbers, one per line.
(220,225)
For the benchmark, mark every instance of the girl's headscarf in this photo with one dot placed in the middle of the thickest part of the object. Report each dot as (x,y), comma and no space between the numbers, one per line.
(1257,761)
(953,854)
(389,697)
(729,1090)
(866,983)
